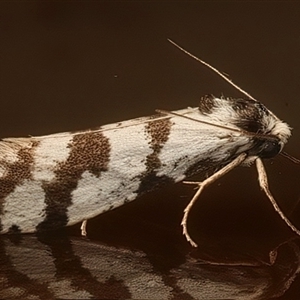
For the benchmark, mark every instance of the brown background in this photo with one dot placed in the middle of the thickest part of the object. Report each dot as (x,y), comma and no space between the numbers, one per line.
(75,65)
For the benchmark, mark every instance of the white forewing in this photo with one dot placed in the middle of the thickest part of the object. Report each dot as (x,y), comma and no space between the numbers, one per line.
(59,171)
(190,142)
(51,151)
(120,183)
(24,207)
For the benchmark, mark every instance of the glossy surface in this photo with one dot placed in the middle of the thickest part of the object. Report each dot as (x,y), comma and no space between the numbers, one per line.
(137,251)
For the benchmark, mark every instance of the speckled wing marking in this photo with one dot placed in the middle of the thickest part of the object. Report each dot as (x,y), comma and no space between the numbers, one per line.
(89,152)
(16,168)
(157,133)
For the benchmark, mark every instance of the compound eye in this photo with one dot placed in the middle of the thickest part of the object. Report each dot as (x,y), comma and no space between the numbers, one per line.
(270,149)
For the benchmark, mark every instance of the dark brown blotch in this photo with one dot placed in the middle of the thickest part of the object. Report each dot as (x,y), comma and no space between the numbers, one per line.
(158,132)
(250,114)
(16,173)
(88,152)
(207,104)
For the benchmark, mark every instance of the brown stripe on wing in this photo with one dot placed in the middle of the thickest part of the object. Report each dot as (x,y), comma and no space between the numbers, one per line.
(15,174)
(158,132)
(88,152)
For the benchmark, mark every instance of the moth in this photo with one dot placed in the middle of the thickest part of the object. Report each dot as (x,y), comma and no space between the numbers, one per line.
(62,179)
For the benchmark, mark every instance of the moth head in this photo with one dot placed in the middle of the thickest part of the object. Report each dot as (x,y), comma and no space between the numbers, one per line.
(277,128)
(252,118)
(273,135)
(266,147)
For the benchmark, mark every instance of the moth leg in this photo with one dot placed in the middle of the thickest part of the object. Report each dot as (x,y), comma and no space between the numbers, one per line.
(263,182)
(83,228)
(201,185)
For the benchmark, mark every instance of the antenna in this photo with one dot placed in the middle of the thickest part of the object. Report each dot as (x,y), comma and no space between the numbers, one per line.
(213,69)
